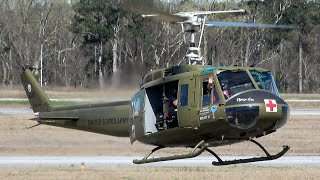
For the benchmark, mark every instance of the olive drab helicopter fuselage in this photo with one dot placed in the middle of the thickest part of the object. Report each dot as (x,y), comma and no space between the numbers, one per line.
(243,103)
(216,106)
(195,106)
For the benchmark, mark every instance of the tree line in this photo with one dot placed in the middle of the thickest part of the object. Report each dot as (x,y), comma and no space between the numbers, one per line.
(90,42)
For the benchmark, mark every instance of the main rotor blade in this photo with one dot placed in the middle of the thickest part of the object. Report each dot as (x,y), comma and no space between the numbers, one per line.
(242,24)
(151,12)
(196,13)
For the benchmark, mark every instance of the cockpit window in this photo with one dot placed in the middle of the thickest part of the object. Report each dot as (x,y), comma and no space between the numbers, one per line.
(265,81)
(233,82)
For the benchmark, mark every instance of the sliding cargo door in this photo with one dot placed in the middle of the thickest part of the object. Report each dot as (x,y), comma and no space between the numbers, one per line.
(187,111)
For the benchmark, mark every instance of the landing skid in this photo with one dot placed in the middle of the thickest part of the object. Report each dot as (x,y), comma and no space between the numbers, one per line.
(202,146)
(194,153)
(268,157)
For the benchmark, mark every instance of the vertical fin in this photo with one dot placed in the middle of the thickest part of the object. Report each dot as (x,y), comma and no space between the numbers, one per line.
(38,99)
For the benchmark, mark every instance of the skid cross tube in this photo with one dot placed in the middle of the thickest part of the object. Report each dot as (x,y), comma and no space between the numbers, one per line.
(201,145)
(256,159)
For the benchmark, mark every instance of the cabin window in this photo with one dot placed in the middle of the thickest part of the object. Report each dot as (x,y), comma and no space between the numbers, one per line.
(265,81)
(209,93)
(233,82)
(184,95)
(136,106)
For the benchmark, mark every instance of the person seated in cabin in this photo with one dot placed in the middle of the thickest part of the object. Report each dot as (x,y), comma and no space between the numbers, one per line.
(162,114)
(172,113)
(166,107)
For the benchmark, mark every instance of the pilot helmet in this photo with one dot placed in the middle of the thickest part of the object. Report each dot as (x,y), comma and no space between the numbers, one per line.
(224,85)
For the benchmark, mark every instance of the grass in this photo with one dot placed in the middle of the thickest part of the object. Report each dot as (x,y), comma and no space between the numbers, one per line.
(302,134)
(64,92)
(22,103)
(300,96)
(92,95)
(128,173)
(116,94)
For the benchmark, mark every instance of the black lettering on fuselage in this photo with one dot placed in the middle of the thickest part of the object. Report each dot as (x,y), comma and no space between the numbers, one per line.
(109,121)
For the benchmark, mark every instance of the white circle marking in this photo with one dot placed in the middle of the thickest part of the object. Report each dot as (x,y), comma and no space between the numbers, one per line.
(29,87)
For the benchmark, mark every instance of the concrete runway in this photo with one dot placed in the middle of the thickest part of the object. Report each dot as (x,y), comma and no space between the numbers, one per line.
(27,111)
(114,161)
(300,112)
(16,111)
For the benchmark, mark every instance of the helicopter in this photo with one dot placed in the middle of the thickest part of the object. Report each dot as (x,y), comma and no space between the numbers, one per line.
(193,105)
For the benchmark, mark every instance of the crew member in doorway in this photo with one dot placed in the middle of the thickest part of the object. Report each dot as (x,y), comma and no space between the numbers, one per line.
(173,107)
(172,114)
(211,90)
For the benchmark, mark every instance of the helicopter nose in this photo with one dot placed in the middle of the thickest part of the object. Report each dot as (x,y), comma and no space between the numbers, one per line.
(250,108)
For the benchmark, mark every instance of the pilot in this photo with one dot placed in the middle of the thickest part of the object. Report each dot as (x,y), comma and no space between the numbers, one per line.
(225,90)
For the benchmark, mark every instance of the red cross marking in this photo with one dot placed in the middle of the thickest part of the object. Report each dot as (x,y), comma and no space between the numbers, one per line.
(271,105)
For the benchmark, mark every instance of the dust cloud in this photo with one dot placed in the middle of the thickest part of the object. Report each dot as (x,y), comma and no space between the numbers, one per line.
(129,75)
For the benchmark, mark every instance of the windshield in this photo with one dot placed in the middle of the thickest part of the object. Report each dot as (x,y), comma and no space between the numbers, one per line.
(233,82)
(265,81)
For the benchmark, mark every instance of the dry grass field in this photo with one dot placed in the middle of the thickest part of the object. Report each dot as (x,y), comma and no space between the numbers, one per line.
(65,92)
(148,173)
(301,133)
(122,93)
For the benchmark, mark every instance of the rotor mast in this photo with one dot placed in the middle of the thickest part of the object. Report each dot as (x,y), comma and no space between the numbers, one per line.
(197,19)
(194,19)
(193,55)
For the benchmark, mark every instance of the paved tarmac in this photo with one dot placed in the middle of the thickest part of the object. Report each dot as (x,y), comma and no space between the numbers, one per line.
(313,112)
(16,111)
(115,161)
